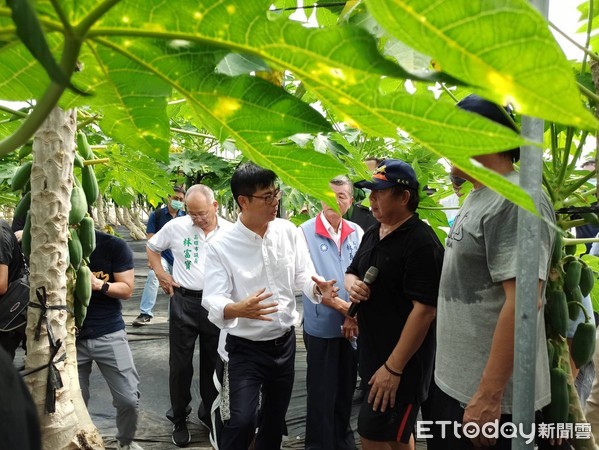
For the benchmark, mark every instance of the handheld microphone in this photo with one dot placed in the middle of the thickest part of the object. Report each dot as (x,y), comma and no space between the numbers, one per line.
(369,278)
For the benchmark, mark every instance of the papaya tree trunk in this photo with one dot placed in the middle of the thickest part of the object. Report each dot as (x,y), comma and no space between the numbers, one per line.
(134,230)
(136,216)
(118,217)
(100,215)
(68,426)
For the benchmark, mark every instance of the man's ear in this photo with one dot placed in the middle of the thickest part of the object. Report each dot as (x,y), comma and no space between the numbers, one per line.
(242,201)
(405,197)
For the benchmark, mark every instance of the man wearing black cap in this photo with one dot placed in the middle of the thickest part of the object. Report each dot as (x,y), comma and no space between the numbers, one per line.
(476,310)
(396,339)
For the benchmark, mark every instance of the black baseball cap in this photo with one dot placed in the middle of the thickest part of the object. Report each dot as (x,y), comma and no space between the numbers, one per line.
(390,173)
(492,111)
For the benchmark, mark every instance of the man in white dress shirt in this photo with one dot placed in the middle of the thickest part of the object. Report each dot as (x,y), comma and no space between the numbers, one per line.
(249,291)
(187,237)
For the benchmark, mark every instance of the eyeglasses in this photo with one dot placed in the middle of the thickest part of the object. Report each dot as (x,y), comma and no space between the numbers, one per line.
(202,216)
(269,198)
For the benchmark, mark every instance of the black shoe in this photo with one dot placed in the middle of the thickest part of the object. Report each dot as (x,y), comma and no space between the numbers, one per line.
(142,319)
(181,436)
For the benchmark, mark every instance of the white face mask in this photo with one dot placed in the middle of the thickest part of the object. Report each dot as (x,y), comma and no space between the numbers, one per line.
(177,204)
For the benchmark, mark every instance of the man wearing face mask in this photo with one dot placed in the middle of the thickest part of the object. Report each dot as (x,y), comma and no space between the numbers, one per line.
(188,237)
(159,218)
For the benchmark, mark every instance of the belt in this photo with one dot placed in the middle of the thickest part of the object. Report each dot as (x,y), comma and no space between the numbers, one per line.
(189,292)
(271,342)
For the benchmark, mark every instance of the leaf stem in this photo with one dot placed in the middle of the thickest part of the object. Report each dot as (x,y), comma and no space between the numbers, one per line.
(192,133)
(88,21)
(578,183)
(574,200)
(62,16)
(548,187)
(590,94)
(587,43)
(12,111)
(564,166)
(573,42)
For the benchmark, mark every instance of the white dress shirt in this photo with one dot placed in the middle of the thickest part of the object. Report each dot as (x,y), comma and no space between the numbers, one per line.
(188,244)
(242,263)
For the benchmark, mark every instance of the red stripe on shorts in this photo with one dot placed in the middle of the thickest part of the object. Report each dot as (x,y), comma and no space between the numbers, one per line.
(403,422)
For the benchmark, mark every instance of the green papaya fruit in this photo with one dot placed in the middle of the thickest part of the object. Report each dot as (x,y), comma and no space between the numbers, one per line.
(590,218)
(556,256)
(583,344)
(75,249)
(25,150)
(83,285)
(587,280)
(23,206)
(558,312)
(574,295)
(90,184)
(573,310)
(21,176)
(83,146)
(572,276)
(87,236)
(78,206)
(80,313)
(78,161)
(557,410)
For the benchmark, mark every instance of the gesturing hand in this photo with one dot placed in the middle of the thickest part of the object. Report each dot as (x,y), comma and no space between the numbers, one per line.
(327,288)
(252,308)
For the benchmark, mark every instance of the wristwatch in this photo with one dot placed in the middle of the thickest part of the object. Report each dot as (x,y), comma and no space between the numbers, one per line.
(104,288)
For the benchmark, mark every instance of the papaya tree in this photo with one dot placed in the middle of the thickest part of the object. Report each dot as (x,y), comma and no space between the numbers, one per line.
(124,62)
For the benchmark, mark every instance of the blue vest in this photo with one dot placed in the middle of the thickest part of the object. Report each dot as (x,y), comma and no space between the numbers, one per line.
(330,262)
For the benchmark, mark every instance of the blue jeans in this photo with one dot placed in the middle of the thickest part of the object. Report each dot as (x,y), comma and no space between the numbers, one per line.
(148,296)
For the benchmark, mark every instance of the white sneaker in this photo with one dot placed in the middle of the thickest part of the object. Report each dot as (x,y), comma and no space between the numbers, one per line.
(132,446)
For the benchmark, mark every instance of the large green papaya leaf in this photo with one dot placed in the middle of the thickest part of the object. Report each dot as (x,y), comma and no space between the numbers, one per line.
(21,76)
(254,112)
(436,125)
(334,56)
(504,49)
(131,99)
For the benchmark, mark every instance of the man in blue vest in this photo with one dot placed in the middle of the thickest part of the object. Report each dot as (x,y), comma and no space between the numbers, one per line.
(329,335)
(157,219)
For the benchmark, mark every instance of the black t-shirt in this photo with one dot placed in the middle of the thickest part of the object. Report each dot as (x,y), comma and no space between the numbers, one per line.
(10,252)
(409,260)
(112,255)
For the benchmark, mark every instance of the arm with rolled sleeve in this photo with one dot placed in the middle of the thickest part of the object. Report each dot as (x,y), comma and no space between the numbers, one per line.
(218,287)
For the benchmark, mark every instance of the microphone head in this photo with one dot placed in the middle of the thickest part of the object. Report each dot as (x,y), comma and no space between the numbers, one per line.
(371,274)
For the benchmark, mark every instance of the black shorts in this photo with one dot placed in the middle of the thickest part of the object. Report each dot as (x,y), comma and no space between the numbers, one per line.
(394,425)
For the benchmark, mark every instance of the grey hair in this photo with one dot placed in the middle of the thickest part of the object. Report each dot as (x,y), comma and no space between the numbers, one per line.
(200,189)
(342,180)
